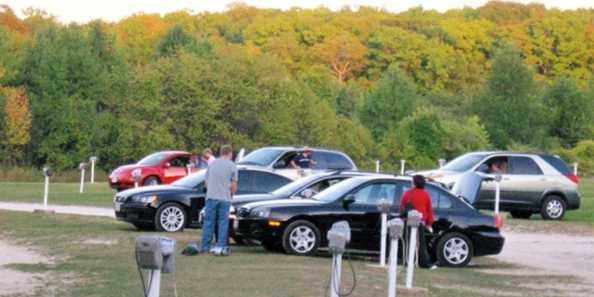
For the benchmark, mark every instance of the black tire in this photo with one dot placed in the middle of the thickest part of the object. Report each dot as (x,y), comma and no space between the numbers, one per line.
(144,226)
(151,181)
(553,208)
(171,217)
(272,246)
(301,238)
(520,214)
(449,255)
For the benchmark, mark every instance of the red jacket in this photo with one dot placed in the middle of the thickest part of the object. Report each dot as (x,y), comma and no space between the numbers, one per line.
(421,201)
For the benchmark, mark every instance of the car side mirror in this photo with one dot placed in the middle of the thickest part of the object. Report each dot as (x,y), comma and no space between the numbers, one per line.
(348,200)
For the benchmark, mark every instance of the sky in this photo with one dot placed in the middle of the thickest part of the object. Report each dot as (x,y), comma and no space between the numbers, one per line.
(113,10)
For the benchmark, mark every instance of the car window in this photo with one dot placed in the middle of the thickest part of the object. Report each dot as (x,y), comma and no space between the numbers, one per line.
(439,198)
(261,157)
(495,165)
(324,184)
(320,159)
(337,161)
(373,193)
(180,161)
(264,182)
(558,164)
(153,159)
(464,162)
(244,182)
(524,166)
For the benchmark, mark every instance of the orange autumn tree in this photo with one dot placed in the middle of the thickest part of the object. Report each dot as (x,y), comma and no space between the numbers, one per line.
(344,54)
(17,120)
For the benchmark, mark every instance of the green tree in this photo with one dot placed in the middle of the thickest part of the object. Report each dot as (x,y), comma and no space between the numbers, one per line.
(393,97)
(177,39)
(570,111)
(509,108)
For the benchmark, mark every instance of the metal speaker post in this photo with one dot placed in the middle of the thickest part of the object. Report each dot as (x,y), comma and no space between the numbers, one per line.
(396,226)
(402,166)
(384,207)
(47,172)
(155,254)
(497,193)
(82,167)
(93,160)
(136,175)
(413,222)
(377,166)
(189,168)
(338,237)
(441,162)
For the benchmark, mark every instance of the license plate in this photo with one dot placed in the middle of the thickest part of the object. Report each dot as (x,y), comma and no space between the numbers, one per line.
(117,206)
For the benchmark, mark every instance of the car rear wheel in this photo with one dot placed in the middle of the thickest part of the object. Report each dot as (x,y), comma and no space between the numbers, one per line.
(553,208)
(520,214)
(171,217)
(151,181)
(301,238)
(454,249)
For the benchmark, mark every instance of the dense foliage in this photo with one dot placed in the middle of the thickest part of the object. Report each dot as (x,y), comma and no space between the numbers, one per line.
(417,85)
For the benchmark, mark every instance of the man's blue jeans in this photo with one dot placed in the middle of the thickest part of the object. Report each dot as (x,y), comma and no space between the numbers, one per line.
(218,209)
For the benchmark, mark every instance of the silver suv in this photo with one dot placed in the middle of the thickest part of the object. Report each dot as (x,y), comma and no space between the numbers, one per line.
(531,183)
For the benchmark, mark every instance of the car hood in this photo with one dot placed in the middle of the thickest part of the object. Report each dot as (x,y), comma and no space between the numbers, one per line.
(284,203)
(153,190)
(249,198)
(127,168)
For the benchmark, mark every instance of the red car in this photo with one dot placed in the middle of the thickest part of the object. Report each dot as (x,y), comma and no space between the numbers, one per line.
(157,168)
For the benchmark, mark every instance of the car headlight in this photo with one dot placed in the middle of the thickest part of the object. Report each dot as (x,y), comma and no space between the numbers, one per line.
(261,213)
(144,199)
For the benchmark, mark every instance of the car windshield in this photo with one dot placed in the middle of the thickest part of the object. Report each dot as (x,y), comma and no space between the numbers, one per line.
(338,190)
(152,159)
(289,189)
(192,180)
(464,162)
(261,157)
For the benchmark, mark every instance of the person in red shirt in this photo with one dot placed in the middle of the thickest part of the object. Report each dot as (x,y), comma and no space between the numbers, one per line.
(418,199)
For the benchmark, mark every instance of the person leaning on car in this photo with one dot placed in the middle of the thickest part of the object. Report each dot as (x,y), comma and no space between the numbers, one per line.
(303,160)
(221,184)
(418,199)
(205,159)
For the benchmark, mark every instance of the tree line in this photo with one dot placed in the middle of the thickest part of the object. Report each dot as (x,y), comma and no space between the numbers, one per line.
(417,85)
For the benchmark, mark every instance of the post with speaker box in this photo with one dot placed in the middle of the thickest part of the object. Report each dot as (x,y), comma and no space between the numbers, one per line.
(395,226)
(413,221)
(384,207)
(338,237)
(155,254)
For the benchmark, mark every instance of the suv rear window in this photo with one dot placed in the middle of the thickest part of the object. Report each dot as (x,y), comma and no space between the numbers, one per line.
(328,160)
(524,166)
(557,163)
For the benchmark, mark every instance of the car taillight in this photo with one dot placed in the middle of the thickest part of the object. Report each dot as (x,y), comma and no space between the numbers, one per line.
(498,220)
(574,178)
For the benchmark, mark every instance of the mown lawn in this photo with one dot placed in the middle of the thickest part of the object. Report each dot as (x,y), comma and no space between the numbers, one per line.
(98,194)
(94,257)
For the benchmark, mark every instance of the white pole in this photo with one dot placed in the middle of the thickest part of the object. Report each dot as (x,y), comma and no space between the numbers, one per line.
(393,271)
(441,162)
(411,257)
(336,271)
(402,164)
(155,283)
(377,166)
(92,170)
(82,180)
(575,168)
(384,235)
(45,192)
(497,194)
(136,184)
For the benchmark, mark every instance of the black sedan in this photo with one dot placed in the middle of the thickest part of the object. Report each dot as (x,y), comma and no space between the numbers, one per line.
(299,226)
(172,207)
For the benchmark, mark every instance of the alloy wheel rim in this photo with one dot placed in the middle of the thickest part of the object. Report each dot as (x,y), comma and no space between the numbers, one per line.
(456,250)
(172,218)
(302,239)
(554,208)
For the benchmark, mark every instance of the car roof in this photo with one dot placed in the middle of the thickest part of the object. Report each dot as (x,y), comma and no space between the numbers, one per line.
(261,169)
(172,152)
(511,153)
(298,148)
(366,178)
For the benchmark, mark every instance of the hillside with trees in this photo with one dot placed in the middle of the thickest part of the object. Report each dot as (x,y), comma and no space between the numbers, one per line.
(417,85)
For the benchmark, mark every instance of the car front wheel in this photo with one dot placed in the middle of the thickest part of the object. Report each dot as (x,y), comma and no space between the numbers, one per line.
(301,238)
(454,249)
(171,217)
(553,208)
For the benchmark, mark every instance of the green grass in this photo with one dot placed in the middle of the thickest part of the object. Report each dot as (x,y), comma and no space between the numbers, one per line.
(84,268)
(586,211)
(98,194)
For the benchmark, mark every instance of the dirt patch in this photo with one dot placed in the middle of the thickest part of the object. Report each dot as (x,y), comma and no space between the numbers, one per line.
(14,282)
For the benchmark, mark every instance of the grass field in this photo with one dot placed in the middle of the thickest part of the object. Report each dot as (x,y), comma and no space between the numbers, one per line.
(98,194)
(94,257)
